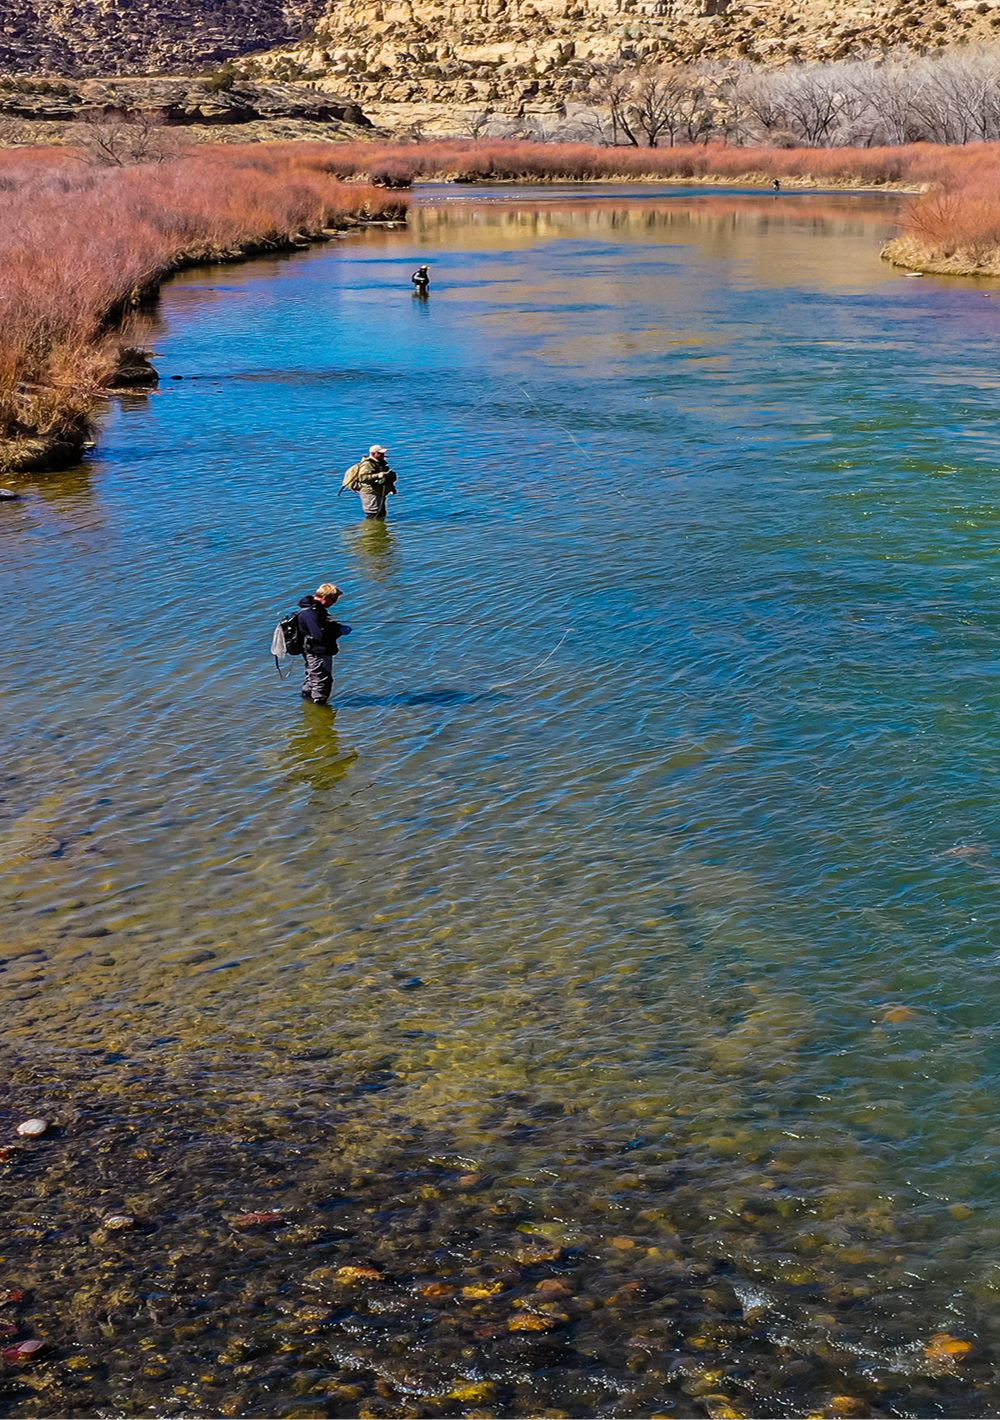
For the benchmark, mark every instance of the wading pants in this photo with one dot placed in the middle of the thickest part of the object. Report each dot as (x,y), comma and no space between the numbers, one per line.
(373,500)
(318,682)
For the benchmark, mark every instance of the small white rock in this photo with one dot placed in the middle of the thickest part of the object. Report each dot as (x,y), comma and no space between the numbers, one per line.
(32,1128)
(118,1221)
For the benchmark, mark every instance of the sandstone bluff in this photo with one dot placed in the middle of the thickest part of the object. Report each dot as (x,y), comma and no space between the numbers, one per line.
(432,65)
(435,60)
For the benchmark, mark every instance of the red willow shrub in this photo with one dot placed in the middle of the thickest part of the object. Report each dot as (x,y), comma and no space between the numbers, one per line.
(77,243)
(483,160)
(959,214)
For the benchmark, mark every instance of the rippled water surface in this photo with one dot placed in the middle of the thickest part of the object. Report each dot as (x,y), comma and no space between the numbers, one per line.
(662,777)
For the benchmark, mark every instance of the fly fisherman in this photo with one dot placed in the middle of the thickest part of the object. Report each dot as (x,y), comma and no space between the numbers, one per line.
(319,642)
(421,279)
(373,479)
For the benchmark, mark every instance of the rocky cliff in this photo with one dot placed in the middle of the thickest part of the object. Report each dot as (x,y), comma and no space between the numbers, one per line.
(443,64)
(173,102)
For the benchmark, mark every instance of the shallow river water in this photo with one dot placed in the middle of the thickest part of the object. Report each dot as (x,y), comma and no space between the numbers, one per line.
(657,807)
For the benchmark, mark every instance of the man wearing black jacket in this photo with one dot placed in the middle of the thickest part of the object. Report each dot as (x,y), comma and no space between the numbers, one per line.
(320,642)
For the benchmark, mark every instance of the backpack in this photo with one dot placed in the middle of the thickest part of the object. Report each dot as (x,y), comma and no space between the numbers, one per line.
(288,640)
(351,478)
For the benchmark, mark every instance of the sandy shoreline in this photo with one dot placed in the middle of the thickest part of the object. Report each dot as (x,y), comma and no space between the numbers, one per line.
(751,179)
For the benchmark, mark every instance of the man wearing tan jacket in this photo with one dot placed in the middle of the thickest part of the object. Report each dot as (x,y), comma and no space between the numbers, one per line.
(373,480)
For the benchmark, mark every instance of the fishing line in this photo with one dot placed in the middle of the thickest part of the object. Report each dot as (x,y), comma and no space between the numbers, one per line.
(568,432)
(502,685)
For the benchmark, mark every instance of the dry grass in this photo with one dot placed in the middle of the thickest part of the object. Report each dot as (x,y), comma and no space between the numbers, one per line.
(77,244)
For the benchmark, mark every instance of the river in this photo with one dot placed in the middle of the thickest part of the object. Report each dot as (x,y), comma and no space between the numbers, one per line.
(658,799)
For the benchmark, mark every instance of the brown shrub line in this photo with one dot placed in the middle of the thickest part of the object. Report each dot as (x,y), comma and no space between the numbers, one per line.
(81,246)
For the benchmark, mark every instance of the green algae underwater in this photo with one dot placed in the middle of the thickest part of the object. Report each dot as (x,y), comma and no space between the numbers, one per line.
(595,1012)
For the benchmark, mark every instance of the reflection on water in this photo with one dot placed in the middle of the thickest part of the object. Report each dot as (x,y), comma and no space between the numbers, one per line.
(315,755)
(375,547)
(662,758)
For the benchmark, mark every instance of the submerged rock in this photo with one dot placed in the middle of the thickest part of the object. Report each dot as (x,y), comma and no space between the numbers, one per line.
(943,1349)
(33,1128)
(23,1353)
(255,1220)
(135,371)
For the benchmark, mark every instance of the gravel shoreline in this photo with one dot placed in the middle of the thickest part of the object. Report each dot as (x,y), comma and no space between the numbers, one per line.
(183,1246)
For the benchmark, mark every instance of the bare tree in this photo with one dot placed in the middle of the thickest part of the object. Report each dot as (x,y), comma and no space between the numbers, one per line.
(812,99)
(656,102)
(959,99)
(118,139)
(763,103)
(652,102)
(894,94)
(736,118)
(952,97)
(612,87)
(475,125)
(697,110)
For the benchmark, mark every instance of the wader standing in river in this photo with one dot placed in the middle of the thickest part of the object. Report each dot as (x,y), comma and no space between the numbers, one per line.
(373,479)
(421,279)
(320,635)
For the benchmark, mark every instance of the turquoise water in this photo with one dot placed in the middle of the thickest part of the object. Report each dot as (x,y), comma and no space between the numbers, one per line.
(664,743)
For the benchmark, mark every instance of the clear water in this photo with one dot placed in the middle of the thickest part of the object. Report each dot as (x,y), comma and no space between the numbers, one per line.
(664,748)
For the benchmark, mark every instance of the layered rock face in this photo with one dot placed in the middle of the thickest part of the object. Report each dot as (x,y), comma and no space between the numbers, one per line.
(175,103)
(442,64)
(447,65)
(76,37)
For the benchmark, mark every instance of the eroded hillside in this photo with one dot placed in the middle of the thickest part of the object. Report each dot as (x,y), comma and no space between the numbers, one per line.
(80,37)
(440,63)
(459,65)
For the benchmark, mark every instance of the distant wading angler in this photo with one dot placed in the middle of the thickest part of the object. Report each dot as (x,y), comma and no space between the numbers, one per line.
(421,279)
(319,645)
(373,480)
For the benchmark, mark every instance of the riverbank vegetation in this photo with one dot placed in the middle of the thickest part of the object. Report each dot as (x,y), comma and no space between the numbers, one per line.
(952,226)
(913,166)
(952,97)
(83,244)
